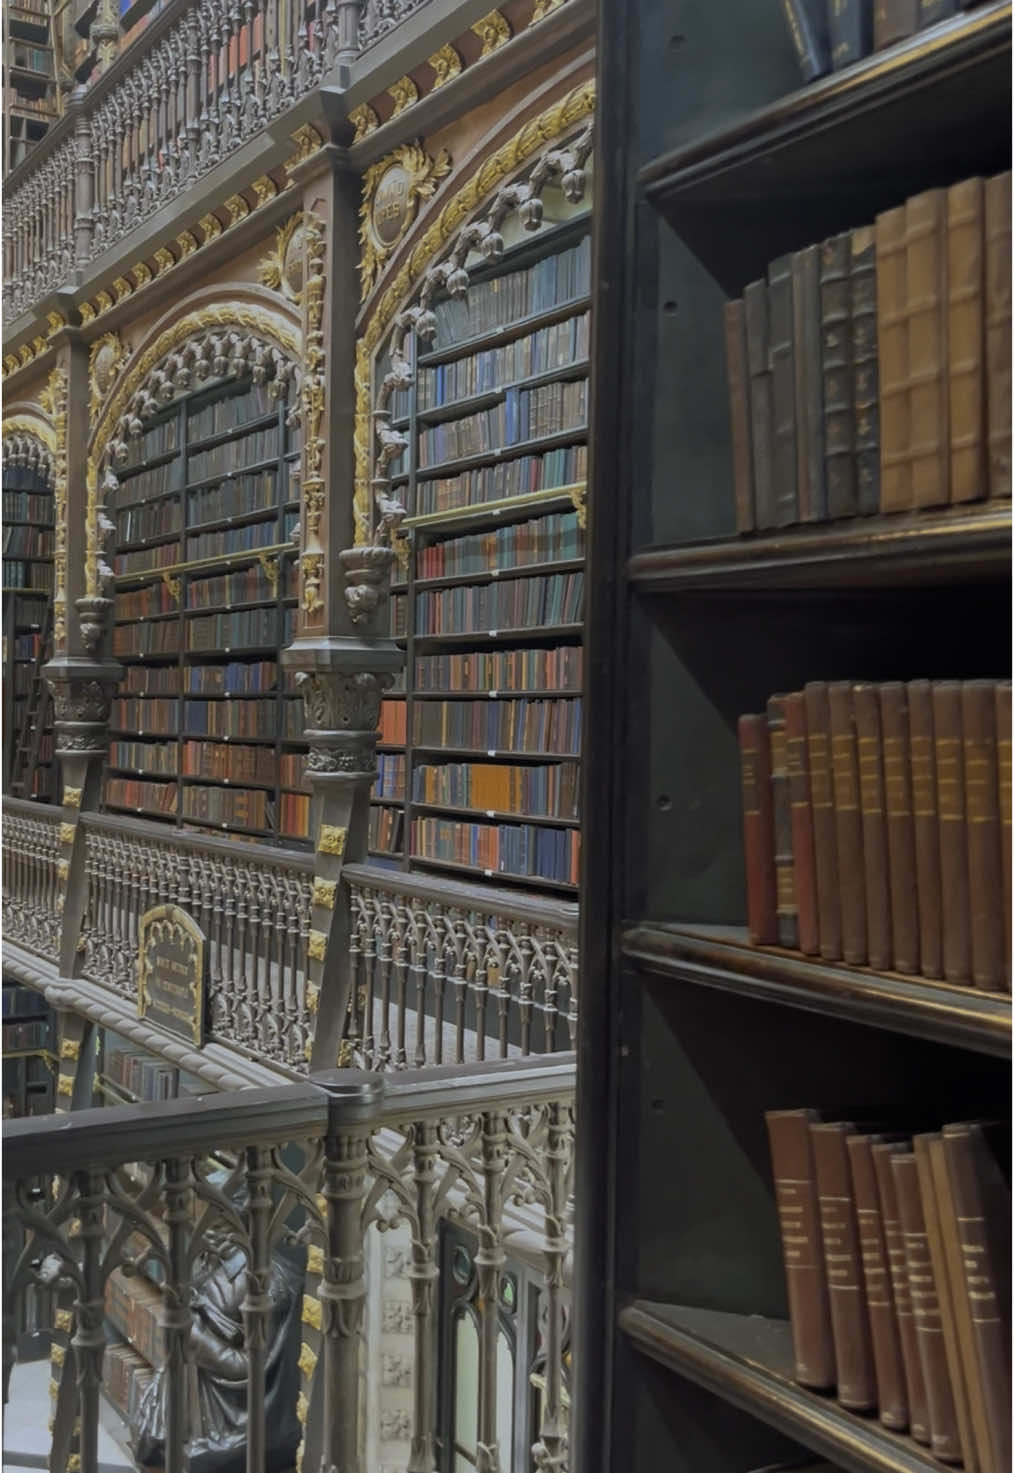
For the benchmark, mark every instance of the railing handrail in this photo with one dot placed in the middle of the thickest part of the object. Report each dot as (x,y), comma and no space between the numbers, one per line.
(28,808)
(453,893)
(139,828)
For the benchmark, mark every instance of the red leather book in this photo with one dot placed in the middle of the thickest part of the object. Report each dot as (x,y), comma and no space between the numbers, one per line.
(894,1237)
(948,742)
(825,841)
(985,883)
(802,1249)
(922,754)
(848,822)
(785,880)
(850,1325)
(866,706)
(803,860)
(900,826)
(892,1397)
(758,830)
(1003,763)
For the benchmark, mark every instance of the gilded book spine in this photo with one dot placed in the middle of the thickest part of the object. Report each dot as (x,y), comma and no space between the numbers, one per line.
(966,336)
(928,400)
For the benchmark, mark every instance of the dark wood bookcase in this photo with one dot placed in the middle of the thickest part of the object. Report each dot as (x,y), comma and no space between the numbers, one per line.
(29,768)
(712,160)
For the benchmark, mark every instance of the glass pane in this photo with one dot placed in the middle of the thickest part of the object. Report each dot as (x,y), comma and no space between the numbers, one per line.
(466,1382)
(505,1400)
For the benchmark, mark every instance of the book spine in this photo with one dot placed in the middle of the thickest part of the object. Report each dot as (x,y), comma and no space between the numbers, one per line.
(1003,767)
(758,830)
(926,274)
(851,23)
(900,827)
(787,924)
(783,390)
(839,420)
(893,20)
(926,823)
(802,1249)
(932,11)
(755,306)
(807,22)
(809,389)
(926,1308)
(948,743)
(853,1348)
(966,339)
(894,1238)
(892,338)
(803,861)
(998,332)
(892,1399)
(865,383)
(739,413)
(978,714)
(848,823)
(866,705)
(825,840)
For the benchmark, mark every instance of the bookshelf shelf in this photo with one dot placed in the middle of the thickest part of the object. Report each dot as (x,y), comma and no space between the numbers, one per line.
(456,408)
(507,508)
(492,754)
(490,695)
(494,816)
(576,434)
(747,1360)
(501,876)
(497,575)
(722,958)
(464,347)
(537,634)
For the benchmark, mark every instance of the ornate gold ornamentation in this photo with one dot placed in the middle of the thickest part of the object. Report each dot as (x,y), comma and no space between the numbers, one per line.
(104,359)
(164,260)
(74,1463)
(238,209)
(282,268)
(312,566)
(308,142)
(11,363)
(313,396)
(324,893)
(404,92)
(364,120)
(141,274)
(307,1359)
(312,996)
(493,31)
(392,189)
(25,354)
(103,302)
(544,8)
(72,797)
(86,312)
(62,870)
(332,839)
(211,226)
(577,104)
(56,320)
(302,1408)
(187,242)
(269,567)
(53,400)
(70,1048)
(39,345)
(65,1085)
(63,1321)
(174,585)
(317,946)
(121,288)
(314,1259)
(67,831)
(311,1312)
(264,188)
(577,495)
(447,64)
(57,1355)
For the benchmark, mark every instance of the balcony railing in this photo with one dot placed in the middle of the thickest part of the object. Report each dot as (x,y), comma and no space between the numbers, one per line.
(32,882)
(319,1167)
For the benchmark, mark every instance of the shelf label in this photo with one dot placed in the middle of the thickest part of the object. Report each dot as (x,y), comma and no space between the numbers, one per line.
(491,752)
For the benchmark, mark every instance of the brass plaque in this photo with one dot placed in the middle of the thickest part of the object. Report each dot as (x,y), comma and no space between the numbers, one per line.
(392,205)
(170,991)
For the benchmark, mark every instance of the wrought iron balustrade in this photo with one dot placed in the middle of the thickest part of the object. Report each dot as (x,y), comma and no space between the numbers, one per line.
(32,878)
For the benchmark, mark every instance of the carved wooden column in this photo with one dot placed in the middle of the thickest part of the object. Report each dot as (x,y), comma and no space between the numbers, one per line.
(349,12)
(84,178)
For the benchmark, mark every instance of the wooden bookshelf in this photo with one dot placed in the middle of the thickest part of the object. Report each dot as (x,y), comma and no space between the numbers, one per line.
(716,161)
(29,768)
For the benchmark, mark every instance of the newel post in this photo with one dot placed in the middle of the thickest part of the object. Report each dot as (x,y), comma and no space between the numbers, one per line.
(84,178)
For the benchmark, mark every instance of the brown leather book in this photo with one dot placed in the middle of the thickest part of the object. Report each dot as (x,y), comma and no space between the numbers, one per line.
(893,20)
(982,1204)
(758,830)
(825,841)
(922,751)
(865,378)
(850,1325)
(848,822)
(785,882)
(809,387)
(836,358)
(928,400)
(966,339)
(802,1249)
(982,804)
(923,1146)
(739,412)
(944,1439)
(998,332)
(892,337)
(949,746)
(866,708)
(782,351)
(900,827)
(803,861)
(894,1237)
(755,306)
(1003,765)
(892,1397)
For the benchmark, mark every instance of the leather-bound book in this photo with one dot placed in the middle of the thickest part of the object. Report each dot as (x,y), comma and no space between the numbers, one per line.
(892,1396)
(809,389)
(783,390)
(932,11)
(928,398)
(966,339)
(865,378)
(803,862)
(788,925)
(758,830)
(851,31)
(850,1325)
(825,839)
(944,1440)
(998,332)
(807,22)
(923,1146)
(892,340)
(982,804)
(848,823)
(739,413)
(755,305)
(926,823)
(893,20)
(1003,768)
(949,747)
(900,827)
(866,709)
(836,358)
(802,1249)
(982,1208)
(894,1238)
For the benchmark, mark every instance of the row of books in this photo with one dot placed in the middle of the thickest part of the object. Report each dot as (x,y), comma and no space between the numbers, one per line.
(27,506)
(239,629)
(27,613)
(238,677)
(239,496)
(523,476)
(151,757)
(28,542)
(399,615)
(23,676)
(147,718)
(144,520)
(162,638)
(157,439)
(508,849)
(514,603)
(231,761)
(145,797)
(549,539)
(291,772)
(236,718)
(139,603)
(831,34)
(233,455)
(146,485)
(230,413)
(872,373)
(387,831)
(557,346)
(247,808)
(135,1309)
(28,575)
(28,647)
(523,414)
(139,1073)
(540,792)
(294,815)
(505,300)
(165,555)
(392,723)
(897,1254)
(125,1378)
(241,539)
(520,725)
(390,775)
(558,668)
(876,826)
(22,1002)
(34,1034)
(247,585)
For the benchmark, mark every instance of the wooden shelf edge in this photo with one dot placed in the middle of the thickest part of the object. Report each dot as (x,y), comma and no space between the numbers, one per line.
(745,1360)
(958,1016)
